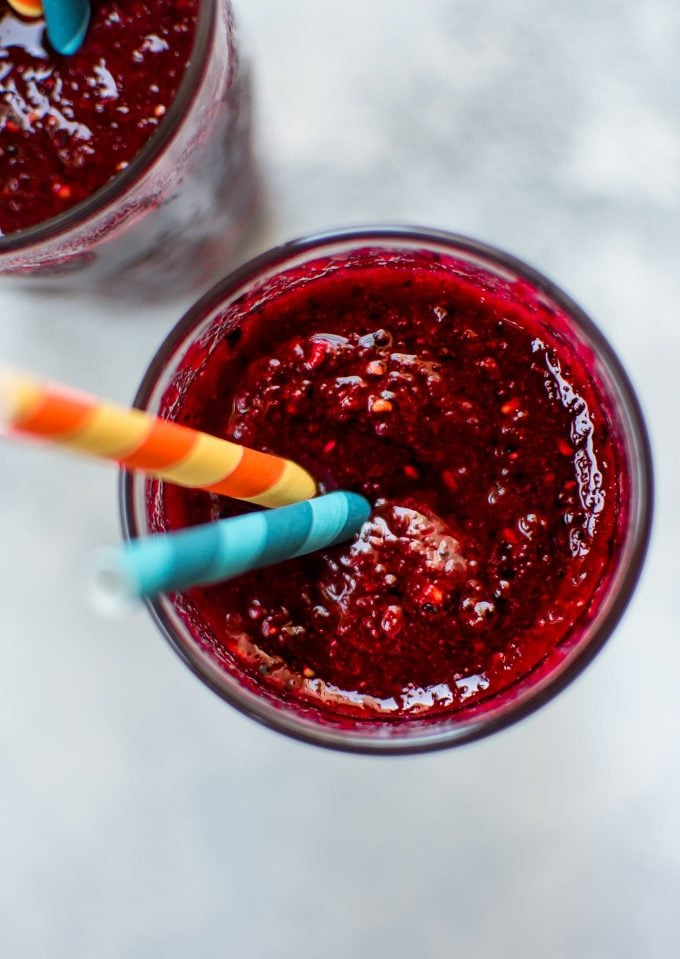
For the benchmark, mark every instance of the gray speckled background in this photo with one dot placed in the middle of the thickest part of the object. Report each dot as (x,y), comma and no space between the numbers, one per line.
(140,816)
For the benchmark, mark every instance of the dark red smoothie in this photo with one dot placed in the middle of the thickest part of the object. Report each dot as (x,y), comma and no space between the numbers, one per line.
(465,409)
(70,124)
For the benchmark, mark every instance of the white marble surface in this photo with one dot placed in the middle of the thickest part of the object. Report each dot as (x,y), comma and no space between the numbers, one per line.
(139,815)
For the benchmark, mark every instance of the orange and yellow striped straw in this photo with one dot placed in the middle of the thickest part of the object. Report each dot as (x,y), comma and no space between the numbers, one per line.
(29,8)
(139,441)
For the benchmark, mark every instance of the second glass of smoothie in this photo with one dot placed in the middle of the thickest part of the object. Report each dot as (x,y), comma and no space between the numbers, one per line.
(125,169)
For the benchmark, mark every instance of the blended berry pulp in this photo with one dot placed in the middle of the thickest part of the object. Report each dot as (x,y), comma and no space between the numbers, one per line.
(466,411)
(70,124)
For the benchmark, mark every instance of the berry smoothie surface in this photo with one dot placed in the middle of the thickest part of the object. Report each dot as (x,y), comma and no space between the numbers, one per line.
(465,411)
(70,124)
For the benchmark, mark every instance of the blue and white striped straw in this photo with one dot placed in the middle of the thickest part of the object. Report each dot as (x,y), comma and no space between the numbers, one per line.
(200,555)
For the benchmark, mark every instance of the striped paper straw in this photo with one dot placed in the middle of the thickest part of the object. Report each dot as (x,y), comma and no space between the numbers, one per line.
(200,555)
(141,442)
(67,22)
(27,8)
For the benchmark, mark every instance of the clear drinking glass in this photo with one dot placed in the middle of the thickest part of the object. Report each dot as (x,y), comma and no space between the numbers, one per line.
(171,373)
(164,225)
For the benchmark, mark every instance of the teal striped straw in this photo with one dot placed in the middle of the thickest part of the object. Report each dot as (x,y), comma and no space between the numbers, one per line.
(200,555)
(67,22)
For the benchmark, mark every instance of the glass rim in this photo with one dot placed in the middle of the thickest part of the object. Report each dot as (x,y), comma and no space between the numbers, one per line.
(118,185)
(484,724)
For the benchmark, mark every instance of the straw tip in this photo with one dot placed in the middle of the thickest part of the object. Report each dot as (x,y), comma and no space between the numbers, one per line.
(67,24)
(110,588)
(27,8)
(359,507)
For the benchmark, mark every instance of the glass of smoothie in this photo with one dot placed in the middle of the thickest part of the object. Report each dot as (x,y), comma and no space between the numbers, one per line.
(125,168)
(502,447)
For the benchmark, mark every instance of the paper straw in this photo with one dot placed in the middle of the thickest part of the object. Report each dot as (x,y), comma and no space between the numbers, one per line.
(67,22)
(200,555)
(141,442)
(27,8)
